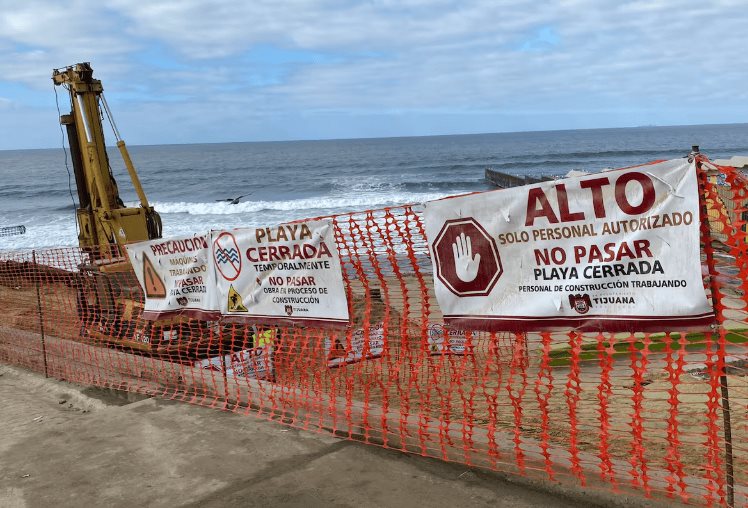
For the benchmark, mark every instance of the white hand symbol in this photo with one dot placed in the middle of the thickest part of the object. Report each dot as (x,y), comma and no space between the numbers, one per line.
(466,265)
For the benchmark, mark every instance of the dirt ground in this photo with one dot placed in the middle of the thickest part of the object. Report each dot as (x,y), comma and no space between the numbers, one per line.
(68,446)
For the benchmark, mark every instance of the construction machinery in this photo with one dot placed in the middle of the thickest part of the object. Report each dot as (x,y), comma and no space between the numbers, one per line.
(105,224)
(109,299)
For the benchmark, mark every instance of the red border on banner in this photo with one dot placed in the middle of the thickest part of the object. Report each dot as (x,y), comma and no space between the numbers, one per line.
(204,315)
(589,323)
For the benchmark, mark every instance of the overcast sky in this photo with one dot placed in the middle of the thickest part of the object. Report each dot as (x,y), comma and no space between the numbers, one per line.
(190,71)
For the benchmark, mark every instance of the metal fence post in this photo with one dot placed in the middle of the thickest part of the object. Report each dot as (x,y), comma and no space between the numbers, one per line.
(729,471)
(37,276)
(716,297)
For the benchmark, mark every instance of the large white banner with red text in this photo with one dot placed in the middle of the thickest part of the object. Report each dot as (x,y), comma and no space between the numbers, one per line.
(618,250)
(286,273)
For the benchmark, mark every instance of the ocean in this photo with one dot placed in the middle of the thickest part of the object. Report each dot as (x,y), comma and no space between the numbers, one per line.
(288,180)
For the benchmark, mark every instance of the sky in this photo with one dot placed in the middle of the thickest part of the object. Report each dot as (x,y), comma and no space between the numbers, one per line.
(200,71)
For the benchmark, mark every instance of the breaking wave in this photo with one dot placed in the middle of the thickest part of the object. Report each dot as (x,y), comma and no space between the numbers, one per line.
(332,204)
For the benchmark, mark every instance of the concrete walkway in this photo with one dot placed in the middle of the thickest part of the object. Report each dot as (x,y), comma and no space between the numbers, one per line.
(67,446)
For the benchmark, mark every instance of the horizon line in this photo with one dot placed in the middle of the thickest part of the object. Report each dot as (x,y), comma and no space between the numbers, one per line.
(312,140)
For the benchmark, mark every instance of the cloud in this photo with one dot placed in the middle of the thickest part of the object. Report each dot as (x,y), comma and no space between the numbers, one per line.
(313,61)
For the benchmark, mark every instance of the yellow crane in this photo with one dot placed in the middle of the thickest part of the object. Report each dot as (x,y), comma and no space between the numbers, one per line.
(105,224)
(109,298)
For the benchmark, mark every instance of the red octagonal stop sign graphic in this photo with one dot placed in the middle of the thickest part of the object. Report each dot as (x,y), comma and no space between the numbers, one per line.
(466,258)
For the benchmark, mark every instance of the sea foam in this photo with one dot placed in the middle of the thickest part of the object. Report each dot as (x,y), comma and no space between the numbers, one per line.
(336,204)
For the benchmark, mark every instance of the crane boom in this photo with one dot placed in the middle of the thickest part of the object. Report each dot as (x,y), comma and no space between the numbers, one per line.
(105,223)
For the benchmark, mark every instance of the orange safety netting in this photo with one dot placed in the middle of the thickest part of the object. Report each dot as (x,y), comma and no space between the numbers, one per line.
(643,412)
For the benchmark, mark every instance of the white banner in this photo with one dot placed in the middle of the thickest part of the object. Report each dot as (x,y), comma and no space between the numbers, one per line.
(287,273)
(176,276)
(445,340)
(618,250)
(256,363)
(361,346)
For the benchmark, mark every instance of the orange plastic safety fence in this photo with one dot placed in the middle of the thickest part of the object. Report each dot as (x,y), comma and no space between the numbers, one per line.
(642,412)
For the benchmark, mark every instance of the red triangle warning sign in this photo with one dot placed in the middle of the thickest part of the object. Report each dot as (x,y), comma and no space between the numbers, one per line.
(152,283)
(337,350)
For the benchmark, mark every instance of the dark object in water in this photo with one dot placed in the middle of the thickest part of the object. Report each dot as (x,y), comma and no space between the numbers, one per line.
(232,201)
(12,230)
(504,181)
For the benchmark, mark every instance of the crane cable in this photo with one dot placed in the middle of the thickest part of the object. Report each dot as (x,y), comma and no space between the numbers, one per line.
(109,116)
(64,149)
(104,108)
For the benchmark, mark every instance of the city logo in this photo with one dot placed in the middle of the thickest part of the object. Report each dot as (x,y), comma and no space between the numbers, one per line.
(580,303)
